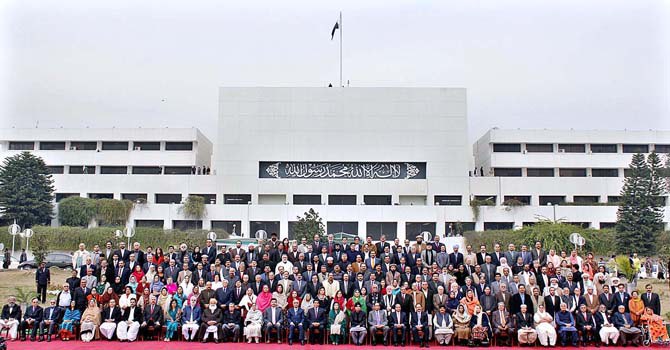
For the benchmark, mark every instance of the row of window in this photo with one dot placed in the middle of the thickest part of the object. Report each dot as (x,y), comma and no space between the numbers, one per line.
(303,199)
(577,148)
(122,170)
(562,172)
(104,145)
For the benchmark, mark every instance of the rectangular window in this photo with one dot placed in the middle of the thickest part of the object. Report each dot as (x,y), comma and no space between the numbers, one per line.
(147,170)
(414,229)
(662,148)
(83,145)
(149,223)
(498,226)
(507,172)
(539,147)
(540,172)
(179,146)
(56,169)
(581,224)
(572,148)
(377,229)
(586,199)
(117,170)
(269,227)
(236,199)
(21,145)
(604,148)
(349,227)
(614,200)
(185,225)
(448,200)
(230,227)
(81,169)
(485,198)
(177,170)
(377,200)
(457,228)
(307,199)
(135,197)
(115,146)
(101,195)
(545,200)
(635,148)
(52,146)
(167,198)
(605,172)
(61,196)
(507,147)
(605,225)
(525,200)
(572,172)
(210,198)
(146,146)
(341,199)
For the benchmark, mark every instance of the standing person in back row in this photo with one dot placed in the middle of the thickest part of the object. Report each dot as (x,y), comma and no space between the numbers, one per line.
(42,279)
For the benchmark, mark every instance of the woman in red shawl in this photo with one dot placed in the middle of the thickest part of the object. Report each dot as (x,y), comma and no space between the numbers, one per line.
(109,295)
(138,273)
(338,298)
(294,296)
(263,299)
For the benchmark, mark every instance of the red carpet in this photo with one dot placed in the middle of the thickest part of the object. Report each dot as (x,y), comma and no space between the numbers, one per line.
(177,345)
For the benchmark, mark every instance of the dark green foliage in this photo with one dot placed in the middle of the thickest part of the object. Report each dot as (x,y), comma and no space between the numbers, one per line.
(26,190)
(40,246)
(552,235)
(76,211)
(194,207)
(308,226)
(640,214)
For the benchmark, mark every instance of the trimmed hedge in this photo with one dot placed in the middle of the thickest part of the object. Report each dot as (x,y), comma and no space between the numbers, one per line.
(552,235)
(68,238)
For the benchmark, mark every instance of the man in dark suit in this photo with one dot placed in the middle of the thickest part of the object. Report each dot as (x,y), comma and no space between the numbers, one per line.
(456,257)
(210,251)
(211,315)
(50,318)
(123,272)
(80,296)
(539,254)
(31,320)
(419,322)
(481,256)
(140,257)
(404,298)
(153,318)
(586,325)
(296,320)
(110,318)
(382,244)
(42,279)
(232,319)
(299,285)
(316,321)
(519,299)
(122,252)
(651,300)
(621,297)
(398,325)
(83,269)
(552,303)
(273,319)
(606,298)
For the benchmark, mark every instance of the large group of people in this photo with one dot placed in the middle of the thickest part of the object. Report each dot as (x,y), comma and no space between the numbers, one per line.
(361,292)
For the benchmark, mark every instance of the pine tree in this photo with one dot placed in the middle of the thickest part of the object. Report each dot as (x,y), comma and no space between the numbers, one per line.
(308,226)
(640,214)
(26,190)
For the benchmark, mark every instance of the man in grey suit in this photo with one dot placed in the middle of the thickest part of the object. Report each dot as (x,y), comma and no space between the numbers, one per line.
(377,321)
(511,254)
(273,319)
(502,324)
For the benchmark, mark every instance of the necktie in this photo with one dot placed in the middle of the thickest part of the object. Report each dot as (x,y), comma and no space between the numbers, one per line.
(152,309)
(377,317)
(502,318)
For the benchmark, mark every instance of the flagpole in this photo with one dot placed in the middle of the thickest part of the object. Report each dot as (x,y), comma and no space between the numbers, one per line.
(341,49)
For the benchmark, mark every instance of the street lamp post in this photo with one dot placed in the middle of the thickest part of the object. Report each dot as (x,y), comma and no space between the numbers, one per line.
(554,209)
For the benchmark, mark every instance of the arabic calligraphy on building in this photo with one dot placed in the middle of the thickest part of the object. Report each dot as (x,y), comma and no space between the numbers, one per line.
(342,170)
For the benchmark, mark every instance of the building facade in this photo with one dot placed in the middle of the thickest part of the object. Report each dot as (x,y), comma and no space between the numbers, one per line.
(370,161)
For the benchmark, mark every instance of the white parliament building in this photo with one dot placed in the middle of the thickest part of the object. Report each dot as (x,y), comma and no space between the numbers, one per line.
(370,161)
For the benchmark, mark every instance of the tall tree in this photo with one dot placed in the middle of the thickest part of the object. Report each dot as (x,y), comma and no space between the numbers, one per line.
(640,214)
(26,190)
(309,225)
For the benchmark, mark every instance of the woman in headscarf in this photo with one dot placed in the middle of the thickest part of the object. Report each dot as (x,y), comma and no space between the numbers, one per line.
(109,295)
(481,327)
(171,286)
(90,321)
(248,300)
(70,318)
(172,319)
(461,321)
(149,276)
(470,301)
(503,264)
(253,323)
(323,299)
(551,269)
(636,307)
(132,283)
(164,299)
(196,256)
(337,322)
(118,285)
(195,292)
(137,273)
(452,302)
(156,285)
(338,299)
(294,296)
(124,299)
(357,298)
(264,299)
(546,332)
(282,300)
(307,303)
(102,285)
(443,326)
(186,285)
(144,299)
(180,297)
(658,331)
(94,296)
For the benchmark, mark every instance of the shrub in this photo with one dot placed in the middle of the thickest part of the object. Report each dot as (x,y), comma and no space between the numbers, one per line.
(76,211)
(194,207)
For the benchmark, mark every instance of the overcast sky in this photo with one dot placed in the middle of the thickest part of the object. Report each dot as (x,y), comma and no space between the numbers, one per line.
(526,64)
